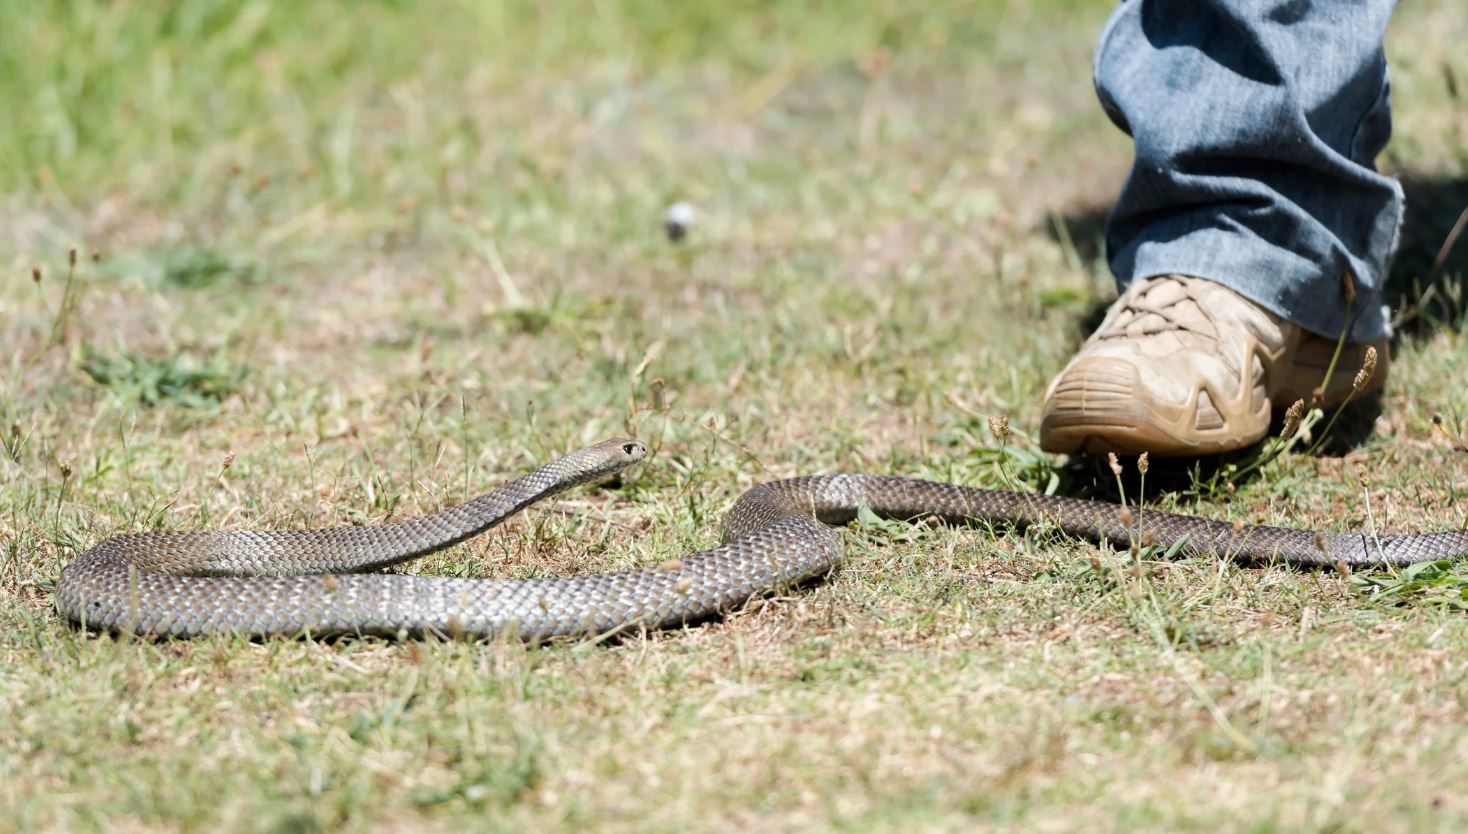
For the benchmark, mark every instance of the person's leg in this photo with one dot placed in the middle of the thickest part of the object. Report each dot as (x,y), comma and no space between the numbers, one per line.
(1256,123)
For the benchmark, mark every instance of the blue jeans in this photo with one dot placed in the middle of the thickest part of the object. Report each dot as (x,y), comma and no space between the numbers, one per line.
(1256,125)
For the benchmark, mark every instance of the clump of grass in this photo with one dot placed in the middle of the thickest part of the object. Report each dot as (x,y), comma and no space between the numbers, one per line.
(495,784)
(178,380)
(201,268)
(524,320)
(1017,466)
(1441,582)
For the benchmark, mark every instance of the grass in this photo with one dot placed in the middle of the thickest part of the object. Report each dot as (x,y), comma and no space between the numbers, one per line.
(433,240)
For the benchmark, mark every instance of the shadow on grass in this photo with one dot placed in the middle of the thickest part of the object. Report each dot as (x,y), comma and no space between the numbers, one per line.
(1426,287)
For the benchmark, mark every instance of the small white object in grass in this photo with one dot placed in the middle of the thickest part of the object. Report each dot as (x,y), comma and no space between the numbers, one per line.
(678,219)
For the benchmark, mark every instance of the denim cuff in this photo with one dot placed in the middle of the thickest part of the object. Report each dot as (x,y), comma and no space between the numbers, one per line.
(1299,289)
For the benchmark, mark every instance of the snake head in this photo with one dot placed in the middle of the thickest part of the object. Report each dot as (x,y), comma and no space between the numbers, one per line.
(631,451)
(603,461)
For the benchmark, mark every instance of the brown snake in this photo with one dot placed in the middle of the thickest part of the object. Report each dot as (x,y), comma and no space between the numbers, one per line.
(775,537)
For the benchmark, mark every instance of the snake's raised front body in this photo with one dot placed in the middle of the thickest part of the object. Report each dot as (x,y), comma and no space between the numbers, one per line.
(776,536)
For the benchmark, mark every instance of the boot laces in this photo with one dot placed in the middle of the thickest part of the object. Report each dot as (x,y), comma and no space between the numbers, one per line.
(1159,316)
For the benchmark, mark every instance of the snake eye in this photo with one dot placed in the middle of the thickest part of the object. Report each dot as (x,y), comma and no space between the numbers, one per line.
(629,448)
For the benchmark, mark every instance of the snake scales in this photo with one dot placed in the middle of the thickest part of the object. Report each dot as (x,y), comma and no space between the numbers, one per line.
(776,536)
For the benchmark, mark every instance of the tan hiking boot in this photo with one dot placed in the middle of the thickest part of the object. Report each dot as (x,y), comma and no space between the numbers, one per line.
(1185,366)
